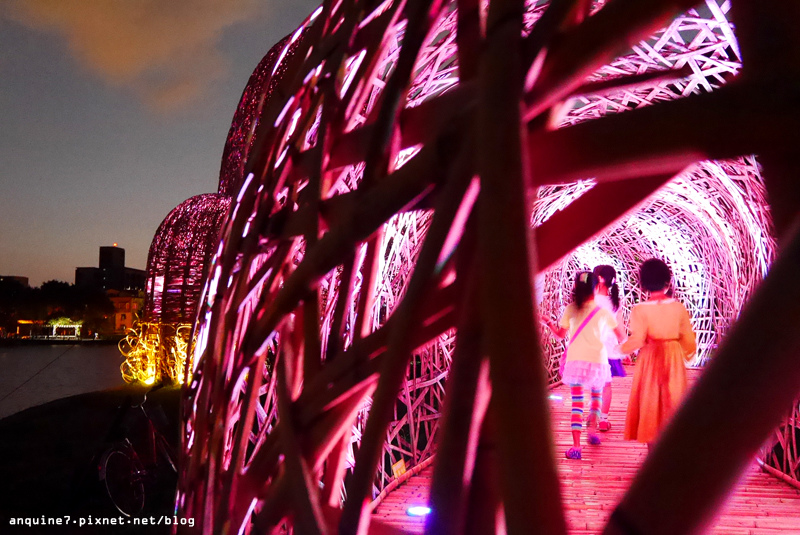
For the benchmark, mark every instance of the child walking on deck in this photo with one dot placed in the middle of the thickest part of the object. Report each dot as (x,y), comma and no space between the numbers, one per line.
(606,295)
(585,362)
(661,329)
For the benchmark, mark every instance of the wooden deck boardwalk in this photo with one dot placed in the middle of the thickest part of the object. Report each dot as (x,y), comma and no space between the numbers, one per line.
(760,505)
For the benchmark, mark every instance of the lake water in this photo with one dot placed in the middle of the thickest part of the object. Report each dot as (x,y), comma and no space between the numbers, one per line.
(31,375)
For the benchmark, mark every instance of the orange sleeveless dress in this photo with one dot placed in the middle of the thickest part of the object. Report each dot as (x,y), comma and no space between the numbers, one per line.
(663,333)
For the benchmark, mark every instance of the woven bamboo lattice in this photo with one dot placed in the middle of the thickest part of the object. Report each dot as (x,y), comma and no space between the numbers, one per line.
(181,248)
(385,201)
(782,453)
(155,352)
(156,348)
(709,225)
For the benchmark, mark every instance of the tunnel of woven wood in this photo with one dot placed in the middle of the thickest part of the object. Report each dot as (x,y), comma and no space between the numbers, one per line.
(405,174)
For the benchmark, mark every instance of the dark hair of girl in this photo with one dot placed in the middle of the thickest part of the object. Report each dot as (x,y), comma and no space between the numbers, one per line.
(609,276)
(583,290)
(654,275)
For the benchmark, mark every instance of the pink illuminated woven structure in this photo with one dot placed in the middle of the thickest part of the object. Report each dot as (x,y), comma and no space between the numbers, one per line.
(155,349)
(408,168)
(181,248)
(709,224)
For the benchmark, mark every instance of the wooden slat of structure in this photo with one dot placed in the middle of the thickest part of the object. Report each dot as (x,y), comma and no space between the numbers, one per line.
(760,505)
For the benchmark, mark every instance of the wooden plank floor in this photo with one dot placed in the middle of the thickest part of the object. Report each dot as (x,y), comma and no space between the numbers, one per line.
(761,504)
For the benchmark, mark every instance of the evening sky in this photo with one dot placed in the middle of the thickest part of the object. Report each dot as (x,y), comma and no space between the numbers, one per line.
(112,113)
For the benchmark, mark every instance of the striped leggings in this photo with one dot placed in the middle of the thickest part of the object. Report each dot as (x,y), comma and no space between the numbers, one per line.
(576,390)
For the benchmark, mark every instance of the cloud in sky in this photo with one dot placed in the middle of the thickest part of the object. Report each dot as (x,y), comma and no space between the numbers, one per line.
(165,51)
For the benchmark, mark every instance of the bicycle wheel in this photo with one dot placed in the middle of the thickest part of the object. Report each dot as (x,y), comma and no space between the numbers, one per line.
(121,472)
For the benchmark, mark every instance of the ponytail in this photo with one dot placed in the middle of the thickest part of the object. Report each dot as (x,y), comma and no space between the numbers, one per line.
(609,276)
(583,291)
(613,292)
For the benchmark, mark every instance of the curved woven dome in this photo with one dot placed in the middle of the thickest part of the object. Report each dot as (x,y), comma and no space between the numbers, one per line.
(179,252)
(710,225)
(244,127)
(385,202)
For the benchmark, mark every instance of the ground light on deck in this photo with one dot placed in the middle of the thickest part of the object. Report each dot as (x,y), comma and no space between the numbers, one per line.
(418,510)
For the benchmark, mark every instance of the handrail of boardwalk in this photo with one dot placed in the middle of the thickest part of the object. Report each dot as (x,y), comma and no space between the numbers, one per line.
(399,480)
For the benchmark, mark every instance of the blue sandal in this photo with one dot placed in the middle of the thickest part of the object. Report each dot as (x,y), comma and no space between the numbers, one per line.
(573,453)
(594,440)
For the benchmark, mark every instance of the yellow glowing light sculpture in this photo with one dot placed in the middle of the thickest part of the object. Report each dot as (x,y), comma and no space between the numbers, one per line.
(155,352)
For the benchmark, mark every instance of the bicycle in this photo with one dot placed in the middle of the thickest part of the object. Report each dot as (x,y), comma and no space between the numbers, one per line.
(127,475)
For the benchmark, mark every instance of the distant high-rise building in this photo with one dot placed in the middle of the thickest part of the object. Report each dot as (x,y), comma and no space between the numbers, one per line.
(111,273)
(112,257)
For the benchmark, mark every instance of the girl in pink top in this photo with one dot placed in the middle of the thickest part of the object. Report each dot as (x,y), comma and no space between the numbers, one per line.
(585,361)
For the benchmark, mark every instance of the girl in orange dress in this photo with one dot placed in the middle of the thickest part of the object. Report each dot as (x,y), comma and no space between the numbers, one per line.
(661,329)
